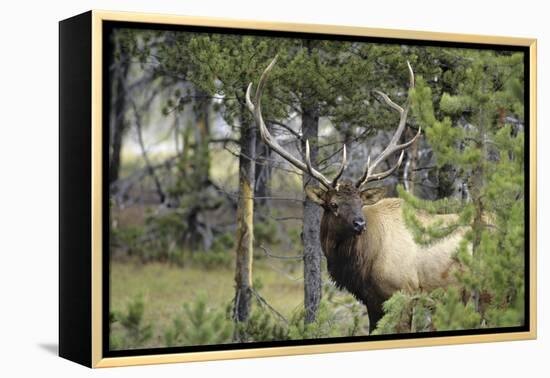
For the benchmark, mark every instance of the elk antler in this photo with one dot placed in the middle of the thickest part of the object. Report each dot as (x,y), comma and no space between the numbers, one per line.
(393,147)
(255,109)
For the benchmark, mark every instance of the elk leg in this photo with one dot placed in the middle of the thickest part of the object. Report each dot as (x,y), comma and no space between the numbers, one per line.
(375,311)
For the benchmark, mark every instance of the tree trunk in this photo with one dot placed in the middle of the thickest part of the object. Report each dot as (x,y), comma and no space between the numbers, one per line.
(245,221)
(311,222)
(119,119)
(263,176)
(199,231)
(202,136)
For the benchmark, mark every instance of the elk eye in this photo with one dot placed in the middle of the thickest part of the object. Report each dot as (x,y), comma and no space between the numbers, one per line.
(334,205)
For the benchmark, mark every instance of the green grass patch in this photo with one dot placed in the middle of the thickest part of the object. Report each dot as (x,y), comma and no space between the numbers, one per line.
(165,288)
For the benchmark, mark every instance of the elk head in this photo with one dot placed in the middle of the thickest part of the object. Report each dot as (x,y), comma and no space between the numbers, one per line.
(343,201)
(344,205)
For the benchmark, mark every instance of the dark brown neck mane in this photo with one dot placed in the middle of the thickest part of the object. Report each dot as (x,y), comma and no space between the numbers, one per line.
(349,264)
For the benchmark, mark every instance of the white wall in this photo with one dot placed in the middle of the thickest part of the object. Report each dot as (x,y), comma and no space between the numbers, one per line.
(28,200)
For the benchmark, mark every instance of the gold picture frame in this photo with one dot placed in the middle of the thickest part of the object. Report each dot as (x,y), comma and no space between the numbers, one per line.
(81,258)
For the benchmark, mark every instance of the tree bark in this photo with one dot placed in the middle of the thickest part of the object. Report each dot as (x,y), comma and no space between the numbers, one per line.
(119,119)
(245,221)
(263,175)
(202,136)
(312,221)
(199,230)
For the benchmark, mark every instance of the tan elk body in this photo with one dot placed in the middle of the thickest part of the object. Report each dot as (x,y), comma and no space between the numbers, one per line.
(369,250)
(385,258)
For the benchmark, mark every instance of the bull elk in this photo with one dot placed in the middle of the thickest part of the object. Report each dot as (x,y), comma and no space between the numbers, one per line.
(369,250)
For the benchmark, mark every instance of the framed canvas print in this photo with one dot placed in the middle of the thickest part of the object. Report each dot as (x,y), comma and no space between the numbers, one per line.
(234,189)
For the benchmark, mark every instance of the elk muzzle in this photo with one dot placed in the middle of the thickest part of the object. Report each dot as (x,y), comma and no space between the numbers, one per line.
(359,225)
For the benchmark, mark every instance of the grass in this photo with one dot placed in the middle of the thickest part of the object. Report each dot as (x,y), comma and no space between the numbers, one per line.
(165,288)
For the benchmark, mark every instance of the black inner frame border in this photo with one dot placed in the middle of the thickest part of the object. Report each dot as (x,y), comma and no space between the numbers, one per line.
(109,26)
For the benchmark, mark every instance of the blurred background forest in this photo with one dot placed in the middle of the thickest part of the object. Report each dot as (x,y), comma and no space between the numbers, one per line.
(207,233)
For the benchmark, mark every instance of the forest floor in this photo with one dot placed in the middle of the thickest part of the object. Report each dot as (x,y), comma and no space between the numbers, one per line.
(165,288)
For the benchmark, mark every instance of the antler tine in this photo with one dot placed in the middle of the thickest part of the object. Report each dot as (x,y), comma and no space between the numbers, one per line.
(365,174)
(393,146)
(308,159)
(388,101)
(249,103)
(342,168)
(382,175)
(407,144)
(411,75)
(255,109)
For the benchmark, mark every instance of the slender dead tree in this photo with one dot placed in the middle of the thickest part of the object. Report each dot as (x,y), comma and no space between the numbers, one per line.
(245,219)
(149,166)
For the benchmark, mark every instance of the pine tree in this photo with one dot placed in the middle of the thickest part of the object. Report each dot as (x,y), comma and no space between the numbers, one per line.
(481,137)
(199,325)
(132,332)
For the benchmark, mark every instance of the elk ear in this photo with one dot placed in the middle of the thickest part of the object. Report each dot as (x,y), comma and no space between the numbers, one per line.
(316,195)
(372,195)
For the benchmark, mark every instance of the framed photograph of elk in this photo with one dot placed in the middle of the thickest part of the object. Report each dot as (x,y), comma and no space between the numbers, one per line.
(235,189)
